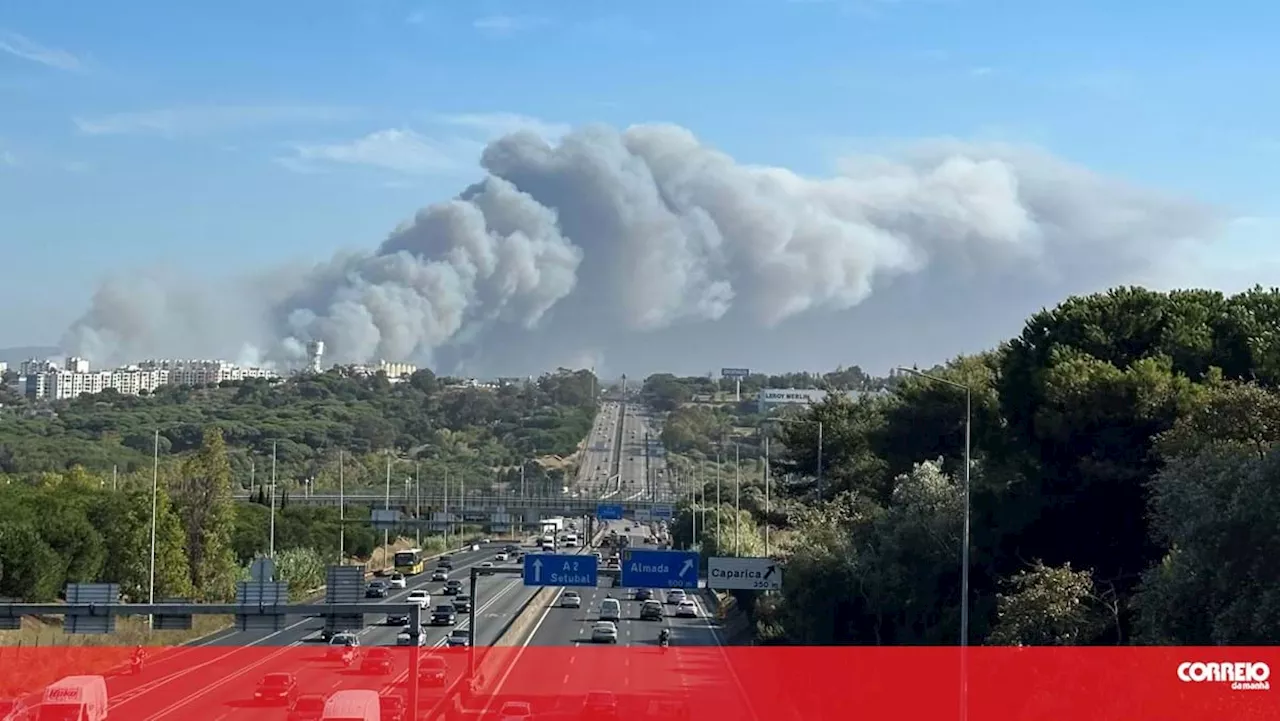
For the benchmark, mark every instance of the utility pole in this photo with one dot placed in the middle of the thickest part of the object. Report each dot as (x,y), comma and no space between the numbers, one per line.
(718,549)
(272,548)
(342,511)
(155,499)
(737,500)
(417,503)
(448,520)
(386,532)
(766,496)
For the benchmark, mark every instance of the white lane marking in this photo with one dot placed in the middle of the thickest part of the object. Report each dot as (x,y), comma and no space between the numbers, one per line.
(142,690)
(724,654)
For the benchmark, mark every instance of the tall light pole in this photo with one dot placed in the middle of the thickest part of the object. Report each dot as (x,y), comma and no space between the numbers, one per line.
(766,496)
(386,532)
(417,502)
(718,549)
(342,510)
(737,500)
(964,549)
(272,548)
(155,500)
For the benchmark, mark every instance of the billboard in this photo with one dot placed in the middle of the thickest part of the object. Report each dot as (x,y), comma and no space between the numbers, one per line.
(773,397)
(734,372)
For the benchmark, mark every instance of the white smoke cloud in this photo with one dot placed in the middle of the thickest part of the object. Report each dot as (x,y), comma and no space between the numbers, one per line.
(607,234)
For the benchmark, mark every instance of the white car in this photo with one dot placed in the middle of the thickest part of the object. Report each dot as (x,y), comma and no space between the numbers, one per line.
(687,609)
(516,711)
(675,595)
(604,632)
(440,575)
(486,567)
(406,638)
(420,597)
(501,557)
(398,581)
(570,599)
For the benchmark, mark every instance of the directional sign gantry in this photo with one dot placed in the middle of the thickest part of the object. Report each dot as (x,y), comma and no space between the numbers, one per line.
(560,569)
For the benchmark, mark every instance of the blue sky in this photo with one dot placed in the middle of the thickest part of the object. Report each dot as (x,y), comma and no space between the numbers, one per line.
(223,136)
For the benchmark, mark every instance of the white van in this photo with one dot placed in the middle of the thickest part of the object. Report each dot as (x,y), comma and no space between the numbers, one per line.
(610,610)
(353,705)
(75,698)
(570,540)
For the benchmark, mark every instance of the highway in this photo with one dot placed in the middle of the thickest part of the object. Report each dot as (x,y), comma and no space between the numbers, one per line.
(594,469)
(559,665)
(214,678)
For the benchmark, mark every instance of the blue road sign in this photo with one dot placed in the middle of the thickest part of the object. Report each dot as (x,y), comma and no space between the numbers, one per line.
(609,512)
(559,569)
(663,513)
(642,568)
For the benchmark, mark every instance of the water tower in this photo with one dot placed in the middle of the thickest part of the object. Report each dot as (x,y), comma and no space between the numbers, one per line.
(315,352)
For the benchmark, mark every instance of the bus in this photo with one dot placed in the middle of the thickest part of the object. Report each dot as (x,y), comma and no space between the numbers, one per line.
(410,561)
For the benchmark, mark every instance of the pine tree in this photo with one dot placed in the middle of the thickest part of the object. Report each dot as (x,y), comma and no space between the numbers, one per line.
(204,502)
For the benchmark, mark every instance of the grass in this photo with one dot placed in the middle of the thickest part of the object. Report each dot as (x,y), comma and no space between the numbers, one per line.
(130,631)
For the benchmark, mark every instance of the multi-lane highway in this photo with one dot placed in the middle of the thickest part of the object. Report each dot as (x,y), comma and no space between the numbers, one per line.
(559,667)
(596,465)
(643,461)
(214,678)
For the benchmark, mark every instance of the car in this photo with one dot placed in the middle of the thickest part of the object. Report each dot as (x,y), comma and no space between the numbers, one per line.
(376,589)
(276,688)
(307,707)
(391,708)
(341,644)
(501,557)
(687,609)
(610,610)
(398,580)
(376,661)
(515,711)
(420,597)
(453,587)
(675,596)
(651,611)
(397,619)
(462,603)
(570,599)
(485,567)
(460,637)
(440,574)
(643,594)
(613,564)
(408,637)
(445,562)
(604,632)
(486,541)
(601,704)
(444,615)
(432,671)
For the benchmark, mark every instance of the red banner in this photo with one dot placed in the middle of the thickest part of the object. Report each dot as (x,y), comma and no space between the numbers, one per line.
(773,684)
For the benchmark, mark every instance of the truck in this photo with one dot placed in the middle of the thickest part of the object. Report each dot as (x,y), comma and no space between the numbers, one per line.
(75,698)
(552,526)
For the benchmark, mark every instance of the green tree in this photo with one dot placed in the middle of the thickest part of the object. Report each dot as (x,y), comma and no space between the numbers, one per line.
(1047,606)
(205,505)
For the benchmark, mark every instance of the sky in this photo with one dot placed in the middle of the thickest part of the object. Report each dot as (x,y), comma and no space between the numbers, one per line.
(503,186)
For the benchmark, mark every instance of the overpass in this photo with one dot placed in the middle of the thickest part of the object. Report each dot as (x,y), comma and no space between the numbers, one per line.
(498,512)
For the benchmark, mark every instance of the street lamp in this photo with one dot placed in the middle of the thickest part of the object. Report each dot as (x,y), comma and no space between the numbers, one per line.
(964,561)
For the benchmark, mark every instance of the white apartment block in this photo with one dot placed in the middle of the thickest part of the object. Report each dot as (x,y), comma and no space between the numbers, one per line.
(44,380)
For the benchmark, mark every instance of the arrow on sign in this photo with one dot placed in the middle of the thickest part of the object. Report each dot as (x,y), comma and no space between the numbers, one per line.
(537,570)
(769,572)
(688,564)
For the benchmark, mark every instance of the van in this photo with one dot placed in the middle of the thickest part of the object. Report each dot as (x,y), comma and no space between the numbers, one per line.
(353,705)
(75,698)
(610,610)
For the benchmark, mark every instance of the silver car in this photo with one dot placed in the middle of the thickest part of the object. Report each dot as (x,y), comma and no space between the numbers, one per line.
(604,632)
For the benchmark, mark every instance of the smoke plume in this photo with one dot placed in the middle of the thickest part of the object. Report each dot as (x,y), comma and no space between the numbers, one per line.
(586,248)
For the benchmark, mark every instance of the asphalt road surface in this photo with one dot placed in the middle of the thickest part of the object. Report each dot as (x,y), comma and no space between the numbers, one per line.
(641,443)
(215,679)
(595,468)
(560,666)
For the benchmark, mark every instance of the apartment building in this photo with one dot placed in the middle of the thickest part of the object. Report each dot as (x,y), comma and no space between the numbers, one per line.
(45,380)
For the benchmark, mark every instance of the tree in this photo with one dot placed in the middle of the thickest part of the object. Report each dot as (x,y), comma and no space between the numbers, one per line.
(1047,606)
(206,508)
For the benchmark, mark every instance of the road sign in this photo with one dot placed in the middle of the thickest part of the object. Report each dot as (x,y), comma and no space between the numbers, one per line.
(386,518)
(262,569)
(643,515)
(643,568)
(663,513)
(161,622)
(254,594)
(609,512)
(734,372)
(101,594)
(560,569)
(751,574)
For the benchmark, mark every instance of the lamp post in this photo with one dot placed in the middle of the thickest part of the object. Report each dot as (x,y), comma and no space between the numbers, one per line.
(964,558)
(155,498)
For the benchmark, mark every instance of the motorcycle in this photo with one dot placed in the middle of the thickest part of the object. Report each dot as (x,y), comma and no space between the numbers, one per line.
(664,641)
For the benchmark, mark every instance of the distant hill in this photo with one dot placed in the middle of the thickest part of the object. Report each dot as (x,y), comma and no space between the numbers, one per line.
(14,356)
